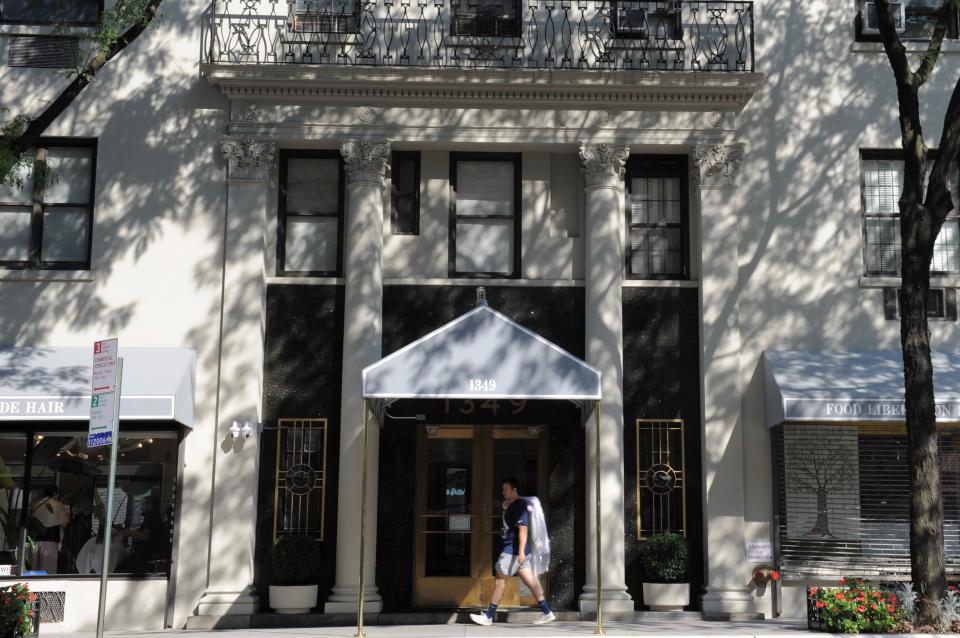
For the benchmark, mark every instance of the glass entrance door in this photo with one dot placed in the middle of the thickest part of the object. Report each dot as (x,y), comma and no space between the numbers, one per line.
(459,504)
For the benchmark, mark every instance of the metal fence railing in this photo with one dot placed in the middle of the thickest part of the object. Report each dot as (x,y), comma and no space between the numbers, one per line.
(613,35)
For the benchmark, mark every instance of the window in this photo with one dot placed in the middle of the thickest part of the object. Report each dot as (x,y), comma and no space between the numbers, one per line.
(657,231)
(648,20)
(914,19)
(485,214)
(881,188)
(46,223)
(489,18)
(941,304)
(301,485)
(50,11)
(405,193)
(53,493)
(661,479)
(324,16)
(43,51)
(310,225)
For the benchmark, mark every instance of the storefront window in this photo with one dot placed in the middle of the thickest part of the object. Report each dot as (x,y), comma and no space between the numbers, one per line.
(55,493)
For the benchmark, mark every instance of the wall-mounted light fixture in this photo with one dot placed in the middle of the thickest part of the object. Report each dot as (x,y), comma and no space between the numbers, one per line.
(245,430)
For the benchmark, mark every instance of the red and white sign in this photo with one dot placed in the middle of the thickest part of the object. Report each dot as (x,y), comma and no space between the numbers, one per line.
(103,393)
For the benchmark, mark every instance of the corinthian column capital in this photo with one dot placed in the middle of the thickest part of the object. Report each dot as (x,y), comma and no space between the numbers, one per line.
(603,164)
(717,165)
(366,161)
(248,158)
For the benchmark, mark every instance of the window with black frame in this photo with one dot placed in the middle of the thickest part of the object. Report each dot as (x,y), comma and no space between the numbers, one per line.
(405,193)
(486,18)
(658,21)
(51,11)
(53,494)
(310,210)
(484,214)
(46,216)
(657,215)
(324,16)
(913,19)
(882,183)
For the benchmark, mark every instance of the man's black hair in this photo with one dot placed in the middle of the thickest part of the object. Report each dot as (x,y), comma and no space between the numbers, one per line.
(513,481)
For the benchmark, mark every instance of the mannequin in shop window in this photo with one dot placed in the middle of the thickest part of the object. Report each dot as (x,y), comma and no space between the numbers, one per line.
(49,517)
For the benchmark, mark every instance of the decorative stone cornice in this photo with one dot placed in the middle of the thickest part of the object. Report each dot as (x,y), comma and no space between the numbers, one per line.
(366,161)
(248,158)
(717,165)
(519,88)
(603,164)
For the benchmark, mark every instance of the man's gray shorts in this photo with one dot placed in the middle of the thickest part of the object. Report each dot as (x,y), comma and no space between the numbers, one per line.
(508,565)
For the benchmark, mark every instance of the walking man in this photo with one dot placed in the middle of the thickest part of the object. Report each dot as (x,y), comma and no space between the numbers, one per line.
(515,556)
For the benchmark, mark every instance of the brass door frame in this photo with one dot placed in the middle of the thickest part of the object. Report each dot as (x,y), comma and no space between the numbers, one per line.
(473,590)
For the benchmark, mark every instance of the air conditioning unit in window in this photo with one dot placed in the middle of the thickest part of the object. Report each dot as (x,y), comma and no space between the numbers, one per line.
(870,23)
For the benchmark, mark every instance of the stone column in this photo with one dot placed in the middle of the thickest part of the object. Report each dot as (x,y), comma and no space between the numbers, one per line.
(715,171)
(229,587)
(366,163)
(603,167)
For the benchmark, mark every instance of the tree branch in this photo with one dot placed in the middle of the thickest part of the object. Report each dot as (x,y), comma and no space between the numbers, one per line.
(939,200)
(936,42)
(896,52)
(42,122)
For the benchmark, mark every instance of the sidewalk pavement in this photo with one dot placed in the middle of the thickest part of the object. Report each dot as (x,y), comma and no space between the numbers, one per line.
(668,627)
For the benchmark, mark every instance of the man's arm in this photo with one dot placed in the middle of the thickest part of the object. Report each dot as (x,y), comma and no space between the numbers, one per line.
(521,557)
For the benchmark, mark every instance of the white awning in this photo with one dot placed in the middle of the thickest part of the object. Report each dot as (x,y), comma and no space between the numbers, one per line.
(482,354)
(53,384)
(866,387)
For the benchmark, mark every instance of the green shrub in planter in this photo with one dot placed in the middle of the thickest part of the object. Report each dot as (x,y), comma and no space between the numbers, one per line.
(665,557)
(296,559)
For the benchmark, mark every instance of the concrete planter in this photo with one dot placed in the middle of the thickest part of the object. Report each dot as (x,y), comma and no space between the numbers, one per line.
(666,596)
(293,599)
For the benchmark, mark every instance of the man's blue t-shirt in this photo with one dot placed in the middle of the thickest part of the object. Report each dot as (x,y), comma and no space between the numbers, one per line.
(515,515)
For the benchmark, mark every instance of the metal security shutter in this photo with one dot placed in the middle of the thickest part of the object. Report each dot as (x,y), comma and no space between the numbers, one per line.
(43,51)
(843,500)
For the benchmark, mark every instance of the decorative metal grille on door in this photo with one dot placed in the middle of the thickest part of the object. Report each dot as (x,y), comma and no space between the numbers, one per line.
(301,485)
(661,480)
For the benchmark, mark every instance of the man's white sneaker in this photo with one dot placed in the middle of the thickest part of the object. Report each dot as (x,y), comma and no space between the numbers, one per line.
(482,619)
(544,619)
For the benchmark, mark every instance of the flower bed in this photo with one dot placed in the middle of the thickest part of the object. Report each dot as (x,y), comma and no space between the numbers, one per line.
(17,614)
(854,607)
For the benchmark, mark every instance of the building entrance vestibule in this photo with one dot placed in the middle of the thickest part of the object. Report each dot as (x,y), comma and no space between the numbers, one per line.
(460,470)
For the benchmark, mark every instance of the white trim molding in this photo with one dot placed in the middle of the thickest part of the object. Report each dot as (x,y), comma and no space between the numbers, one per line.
(520,88)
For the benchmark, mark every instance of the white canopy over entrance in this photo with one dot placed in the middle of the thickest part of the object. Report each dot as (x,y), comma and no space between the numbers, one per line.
(823,386)
(481,354)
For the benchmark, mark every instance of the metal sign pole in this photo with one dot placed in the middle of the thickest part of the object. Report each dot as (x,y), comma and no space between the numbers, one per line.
(108,516)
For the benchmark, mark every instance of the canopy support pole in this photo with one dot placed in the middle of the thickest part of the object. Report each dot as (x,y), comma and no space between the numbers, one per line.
(599,630)
(363,524)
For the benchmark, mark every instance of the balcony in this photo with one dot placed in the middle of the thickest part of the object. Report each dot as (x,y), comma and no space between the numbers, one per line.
(554,35)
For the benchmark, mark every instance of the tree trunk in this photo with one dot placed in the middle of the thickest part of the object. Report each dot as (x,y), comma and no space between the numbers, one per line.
(927,557)
(822,525)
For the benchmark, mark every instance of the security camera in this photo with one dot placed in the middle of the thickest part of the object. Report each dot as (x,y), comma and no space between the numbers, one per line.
(246,430)
(234,430)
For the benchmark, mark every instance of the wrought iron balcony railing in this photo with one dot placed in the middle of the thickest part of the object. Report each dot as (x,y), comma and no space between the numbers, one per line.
(537,34)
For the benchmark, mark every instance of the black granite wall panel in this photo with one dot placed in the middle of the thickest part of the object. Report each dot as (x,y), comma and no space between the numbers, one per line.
(302,365)
(662,381)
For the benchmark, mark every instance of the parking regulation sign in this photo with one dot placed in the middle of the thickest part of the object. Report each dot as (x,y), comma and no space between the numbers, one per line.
(103,393)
